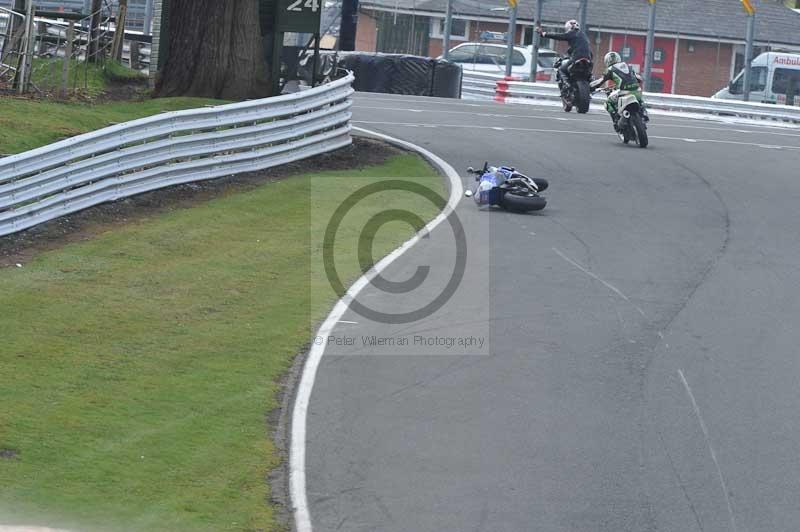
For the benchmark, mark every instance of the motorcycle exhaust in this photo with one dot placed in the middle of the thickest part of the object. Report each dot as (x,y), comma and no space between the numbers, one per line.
(626,114)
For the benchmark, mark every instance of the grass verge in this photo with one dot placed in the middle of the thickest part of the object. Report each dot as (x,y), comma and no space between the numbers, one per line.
(89,78)
(137,369)
(27,124)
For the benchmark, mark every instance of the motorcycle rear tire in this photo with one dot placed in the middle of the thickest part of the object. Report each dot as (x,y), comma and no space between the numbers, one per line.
(641,130)
(516,203)
(584,97)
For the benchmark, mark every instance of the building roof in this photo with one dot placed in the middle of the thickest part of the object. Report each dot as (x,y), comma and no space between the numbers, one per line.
(775,23)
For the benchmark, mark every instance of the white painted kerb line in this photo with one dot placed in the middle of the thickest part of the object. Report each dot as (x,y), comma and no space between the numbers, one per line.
(710,448)
(297,451)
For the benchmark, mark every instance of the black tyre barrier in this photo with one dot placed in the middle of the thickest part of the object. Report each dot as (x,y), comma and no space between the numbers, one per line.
(403,74)
(447,80)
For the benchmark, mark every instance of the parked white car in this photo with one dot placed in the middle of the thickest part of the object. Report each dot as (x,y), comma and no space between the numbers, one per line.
(491,59)
(774,78)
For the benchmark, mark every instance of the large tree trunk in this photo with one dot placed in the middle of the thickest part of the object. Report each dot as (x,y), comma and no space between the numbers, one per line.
(215,51)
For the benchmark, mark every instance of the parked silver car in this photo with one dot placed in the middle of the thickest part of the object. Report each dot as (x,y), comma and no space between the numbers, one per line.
(491,59)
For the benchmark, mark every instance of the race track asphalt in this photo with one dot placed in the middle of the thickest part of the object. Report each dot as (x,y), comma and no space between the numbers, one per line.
(639,369)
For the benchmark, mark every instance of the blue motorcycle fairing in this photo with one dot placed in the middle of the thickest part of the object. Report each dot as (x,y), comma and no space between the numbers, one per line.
(487,192)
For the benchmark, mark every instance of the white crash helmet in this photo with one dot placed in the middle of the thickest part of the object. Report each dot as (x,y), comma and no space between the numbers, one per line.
(612,58)
(572,25)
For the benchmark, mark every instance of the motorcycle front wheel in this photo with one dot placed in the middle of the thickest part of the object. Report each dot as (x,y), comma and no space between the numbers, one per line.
(518,203)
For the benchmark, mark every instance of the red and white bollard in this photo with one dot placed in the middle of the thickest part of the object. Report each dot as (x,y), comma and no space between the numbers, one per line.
(502,91)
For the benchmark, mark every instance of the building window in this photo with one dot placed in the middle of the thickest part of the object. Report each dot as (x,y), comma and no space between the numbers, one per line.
(458,32)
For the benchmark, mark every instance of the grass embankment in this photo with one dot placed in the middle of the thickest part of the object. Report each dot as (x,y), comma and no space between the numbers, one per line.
(138,368)
(89,78)
(27,124)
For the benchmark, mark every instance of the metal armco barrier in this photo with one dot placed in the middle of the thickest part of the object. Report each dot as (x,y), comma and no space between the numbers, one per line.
(523,92)
(479,86)
(171,149)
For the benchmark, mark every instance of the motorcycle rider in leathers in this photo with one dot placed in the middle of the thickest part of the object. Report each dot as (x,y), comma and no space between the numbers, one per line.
(579,45)
(624,79)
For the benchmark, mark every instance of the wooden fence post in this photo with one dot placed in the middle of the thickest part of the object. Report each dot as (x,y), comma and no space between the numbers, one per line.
(67,59)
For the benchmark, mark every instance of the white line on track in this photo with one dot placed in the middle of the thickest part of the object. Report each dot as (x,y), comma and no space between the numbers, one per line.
(601,281)
(539,130)
(731,142)
(297,451)
(710,448)
(556,109)
(605,121)
(437,102)
(573,132)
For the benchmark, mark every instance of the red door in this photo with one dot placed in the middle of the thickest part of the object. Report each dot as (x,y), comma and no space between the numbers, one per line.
(632,49)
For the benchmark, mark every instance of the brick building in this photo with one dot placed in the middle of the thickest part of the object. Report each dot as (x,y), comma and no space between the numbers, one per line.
(699,43)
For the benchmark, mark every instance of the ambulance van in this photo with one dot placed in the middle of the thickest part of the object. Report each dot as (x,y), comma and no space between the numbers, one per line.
(774,78)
